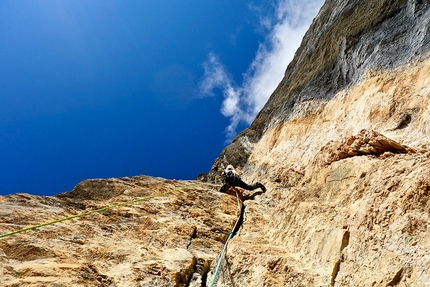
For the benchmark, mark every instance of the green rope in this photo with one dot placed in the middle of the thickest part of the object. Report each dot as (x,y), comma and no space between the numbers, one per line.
(230,235)
(95,211)
(129,203)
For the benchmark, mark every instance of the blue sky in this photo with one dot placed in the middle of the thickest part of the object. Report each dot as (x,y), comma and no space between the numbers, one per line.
(99,89)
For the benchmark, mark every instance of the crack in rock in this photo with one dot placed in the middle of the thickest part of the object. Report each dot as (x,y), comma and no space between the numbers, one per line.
(336,268)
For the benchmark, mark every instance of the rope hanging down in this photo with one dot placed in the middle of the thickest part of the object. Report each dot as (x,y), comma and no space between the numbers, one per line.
(230,235)
(96,211)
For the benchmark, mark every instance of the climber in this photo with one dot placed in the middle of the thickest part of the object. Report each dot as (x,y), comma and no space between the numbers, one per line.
(232,179)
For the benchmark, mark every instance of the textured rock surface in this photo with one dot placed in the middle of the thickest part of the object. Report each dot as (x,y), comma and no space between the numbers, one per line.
(342,146)
(165,241)
(349,42)
(365,143)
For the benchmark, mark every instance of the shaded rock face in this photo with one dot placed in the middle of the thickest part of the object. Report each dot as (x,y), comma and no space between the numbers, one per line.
(347,42)
(167,240)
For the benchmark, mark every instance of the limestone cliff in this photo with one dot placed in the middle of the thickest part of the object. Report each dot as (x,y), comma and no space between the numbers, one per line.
(168,240)
(342,146)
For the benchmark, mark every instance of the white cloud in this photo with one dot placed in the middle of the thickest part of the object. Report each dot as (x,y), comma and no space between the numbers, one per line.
(242,103)
(216,76)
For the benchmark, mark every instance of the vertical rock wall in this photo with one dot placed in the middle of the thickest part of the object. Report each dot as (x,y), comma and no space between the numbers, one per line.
(343,148)
(348,42)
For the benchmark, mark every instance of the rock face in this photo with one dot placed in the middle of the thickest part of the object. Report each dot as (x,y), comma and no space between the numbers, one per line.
(365,143)
(167,240)
(342,146)
(374,47)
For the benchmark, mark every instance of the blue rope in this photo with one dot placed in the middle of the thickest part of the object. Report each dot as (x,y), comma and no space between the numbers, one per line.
(230,235)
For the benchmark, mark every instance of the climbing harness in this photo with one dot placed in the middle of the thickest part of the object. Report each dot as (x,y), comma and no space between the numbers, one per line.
(230,235)
(96,210)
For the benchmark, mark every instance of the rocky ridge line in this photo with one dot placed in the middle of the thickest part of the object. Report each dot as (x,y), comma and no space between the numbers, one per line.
(165,241)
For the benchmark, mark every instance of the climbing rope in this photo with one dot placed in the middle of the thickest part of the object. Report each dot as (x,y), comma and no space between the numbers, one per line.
(230,235)
(97,210)
(130,203)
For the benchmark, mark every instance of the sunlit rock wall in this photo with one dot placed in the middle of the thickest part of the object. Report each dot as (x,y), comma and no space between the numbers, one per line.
(343,148)
(168,240)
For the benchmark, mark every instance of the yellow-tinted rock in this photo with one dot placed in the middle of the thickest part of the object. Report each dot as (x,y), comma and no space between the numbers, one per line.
(162,241)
